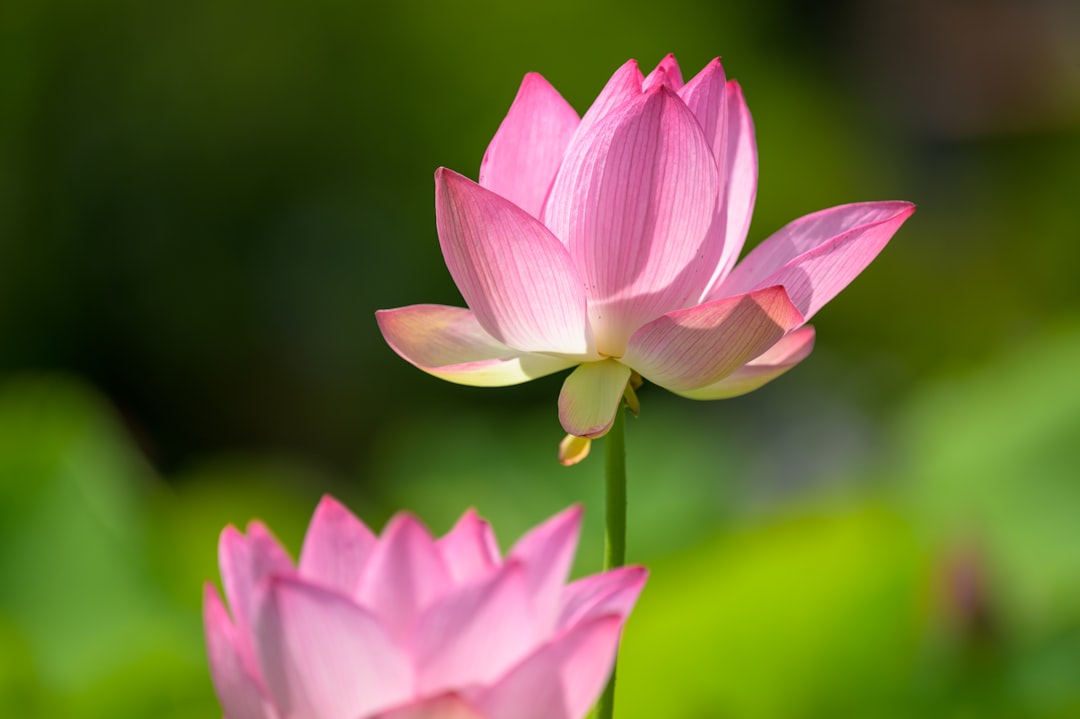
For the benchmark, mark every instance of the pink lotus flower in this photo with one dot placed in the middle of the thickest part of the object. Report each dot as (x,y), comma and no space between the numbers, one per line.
(408,627)
(609,243)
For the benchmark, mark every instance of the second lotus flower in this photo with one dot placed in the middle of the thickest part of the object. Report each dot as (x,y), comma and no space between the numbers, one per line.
(610,243)
(405,626)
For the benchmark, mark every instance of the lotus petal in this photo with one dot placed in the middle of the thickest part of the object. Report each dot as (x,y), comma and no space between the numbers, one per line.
(325,656)
(449,343)
(513,273)
(693,348)
(818,255)
(561,680)
(522,159)
(546,552)
(469,549)
(234,681)
(778,359)
(405,573)
(613,592)
(336,548)
(445,706)
(633,202)
(590,397)
(476,634)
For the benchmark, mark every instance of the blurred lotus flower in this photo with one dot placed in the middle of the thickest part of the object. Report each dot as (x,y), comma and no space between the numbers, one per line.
(609,242)
(405,626)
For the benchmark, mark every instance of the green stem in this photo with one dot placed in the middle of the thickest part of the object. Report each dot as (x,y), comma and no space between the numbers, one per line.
(615,535)
(615,471)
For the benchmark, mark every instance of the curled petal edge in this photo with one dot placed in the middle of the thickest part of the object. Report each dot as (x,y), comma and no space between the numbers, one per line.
(449,343)
(698,346)
(792,349)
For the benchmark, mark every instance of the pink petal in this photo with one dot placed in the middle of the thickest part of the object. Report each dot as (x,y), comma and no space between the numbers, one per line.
(405,573)
(325,657)
(692,348)
(445,706)
(449,343)
(336,548)
(624,86)
(740,169)
(522,159)
(476,634)
(667,73)
(633,201)
(778,359)
(469,549)
(719,106)
(612,592)
(235,682)
(562,680)
(513,273)
(816,256)
(245,561)
(590,396)
(705,96)
(547,552)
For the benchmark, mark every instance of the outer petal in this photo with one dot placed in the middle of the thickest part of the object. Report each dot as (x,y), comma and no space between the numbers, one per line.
(633,201)
(562,680)
(741,171)
(705,96)
(778,359)
(245,561)
(612,592)
(326,657)
(623,86)
(696,347)
(513,273)
(450,344)
(816,256)
(476,634)
(469,549)
(590,397)
(336,548)
(546,553)
(446,706)
(522,159)
(405,573)
(236,687)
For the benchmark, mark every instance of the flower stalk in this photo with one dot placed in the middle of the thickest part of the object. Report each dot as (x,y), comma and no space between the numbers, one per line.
(615,481)
(615,531)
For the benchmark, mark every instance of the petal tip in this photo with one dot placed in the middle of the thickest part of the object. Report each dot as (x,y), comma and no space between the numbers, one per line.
(211,599)
(230,535)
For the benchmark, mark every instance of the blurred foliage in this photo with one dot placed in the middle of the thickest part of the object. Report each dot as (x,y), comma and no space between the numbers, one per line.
(945,586)
(201,206)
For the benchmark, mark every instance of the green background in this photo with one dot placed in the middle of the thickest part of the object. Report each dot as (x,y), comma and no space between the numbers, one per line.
(203,203)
